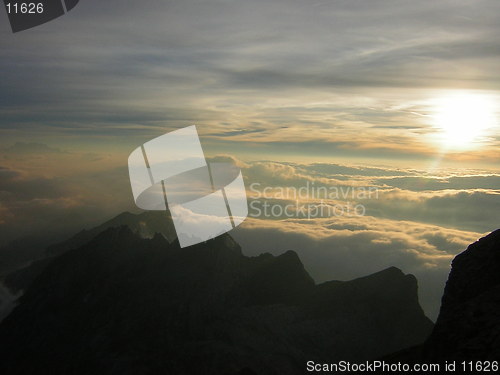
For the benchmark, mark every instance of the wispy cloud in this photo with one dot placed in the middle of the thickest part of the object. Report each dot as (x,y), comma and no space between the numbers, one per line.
(339,77)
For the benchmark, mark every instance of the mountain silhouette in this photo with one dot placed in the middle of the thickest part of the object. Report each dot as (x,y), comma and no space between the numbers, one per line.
(125,304)
(21,253)
(468,325)
(146,224)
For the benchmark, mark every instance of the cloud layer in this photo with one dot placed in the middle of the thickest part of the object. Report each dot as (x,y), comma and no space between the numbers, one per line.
(343,249)
(351,78)
(418,227)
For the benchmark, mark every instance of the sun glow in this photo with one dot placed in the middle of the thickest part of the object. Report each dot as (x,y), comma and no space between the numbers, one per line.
(464,120)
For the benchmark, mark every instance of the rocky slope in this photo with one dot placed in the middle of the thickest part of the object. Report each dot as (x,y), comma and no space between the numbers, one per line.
(146,224)
(124,304)
(468,326)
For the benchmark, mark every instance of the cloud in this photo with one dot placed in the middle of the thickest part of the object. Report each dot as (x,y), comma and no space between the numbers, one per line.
(417,230)
(453,199)
(41,190)
(282,79)
(345,248)
(32,148)
(423,183)
(475,210)
(326,77)
(57,201)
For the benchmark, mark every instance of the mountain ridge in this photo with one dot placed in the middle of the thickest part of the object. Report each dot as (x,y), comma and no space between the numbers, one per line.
(468,326)
(127,304)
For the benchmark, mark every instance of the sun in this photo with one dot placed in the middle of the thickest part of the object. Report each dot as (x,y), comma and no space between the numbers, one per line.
(463,120)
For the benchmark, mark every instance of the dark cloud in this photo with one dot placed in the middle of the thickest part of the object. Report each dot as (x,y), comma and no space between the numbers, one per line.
(423,183)
(32,148)
(467,210)
(122,68)
(8,174)
(54,207)
(333,170)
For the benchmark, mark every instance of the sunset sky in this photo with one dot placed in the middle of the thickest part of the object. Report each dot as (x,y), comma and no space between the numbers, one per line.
(403,96)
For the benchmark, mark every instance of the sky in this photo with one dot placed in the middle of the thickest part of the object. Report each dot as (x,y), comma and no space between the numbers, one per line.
(399,96)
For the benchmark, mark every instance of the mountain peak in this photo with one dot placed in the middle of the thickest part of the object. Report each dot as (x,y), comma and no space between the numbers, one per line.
(475,270)
(468,325)
(146,224)
(390,272)
(128,304)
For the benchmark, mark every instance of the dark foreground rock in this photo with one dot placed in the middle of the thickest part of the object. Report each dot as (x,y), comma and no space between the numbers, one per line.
(122,304)
(468,326)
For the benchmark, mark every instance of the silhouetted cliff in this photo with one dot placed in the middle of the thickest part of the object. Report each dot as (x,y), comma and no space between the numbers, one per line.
(130,305)
(468,326)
